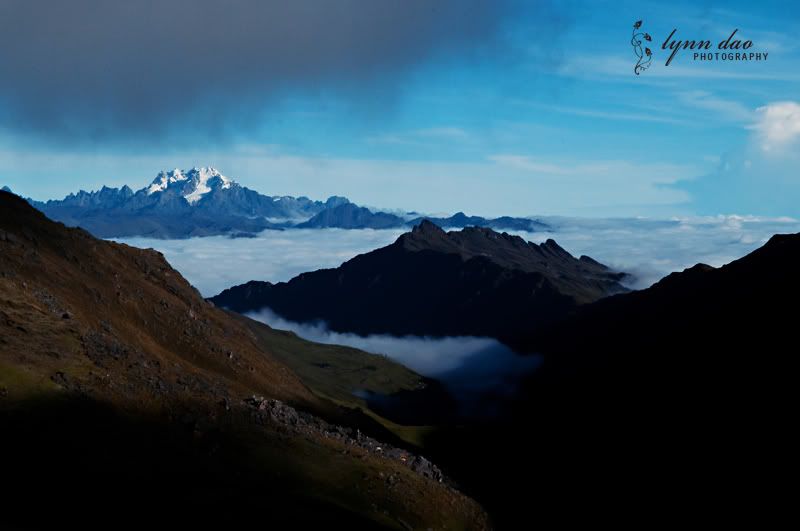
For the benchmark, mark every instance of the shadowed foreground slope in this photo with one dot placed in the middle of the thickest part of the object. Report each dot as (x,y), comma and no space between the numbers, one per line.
(126,399)
(666,405)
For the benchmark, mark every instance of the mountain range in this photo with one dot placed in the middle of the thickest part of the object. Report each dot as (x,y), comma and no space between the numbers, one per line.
(203,202)
(351,216)
(179,204)
(430,282)
(125,397)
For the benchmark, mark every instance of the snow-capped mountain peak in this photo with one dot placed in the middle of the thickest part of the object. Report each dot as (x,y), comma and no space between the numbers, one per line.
(164,179)
(202,181)
(192,184)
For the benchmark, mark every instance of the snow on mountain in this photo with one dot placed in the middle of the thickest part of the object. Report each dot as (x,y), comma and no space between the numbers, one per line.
(193,184)
(164,179)
(203,202)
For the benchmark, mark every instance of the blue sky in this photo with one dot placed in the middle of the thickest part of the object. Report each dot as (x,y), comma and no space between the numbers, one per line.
(537,113)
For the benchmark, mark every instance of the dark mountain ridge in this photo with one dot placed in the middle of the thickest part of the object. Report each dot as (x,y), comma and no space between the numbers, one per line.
(429,282)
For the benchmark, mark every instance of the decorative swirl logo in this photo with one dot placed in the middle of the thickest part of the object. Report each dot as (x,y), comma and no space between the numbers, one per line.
(644,55)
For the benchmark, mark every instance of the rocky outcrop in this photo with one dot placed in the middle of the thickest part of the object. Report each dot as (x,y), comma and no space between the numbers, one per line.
(277,412)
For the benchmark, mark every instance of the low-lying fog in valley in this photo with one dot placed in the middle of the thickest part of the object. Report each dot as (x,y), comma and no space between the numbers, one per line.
(479,372)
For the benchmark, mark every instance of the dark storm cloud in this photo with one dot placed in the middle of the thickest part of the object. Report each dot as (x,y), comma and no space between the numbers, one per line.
(96,67)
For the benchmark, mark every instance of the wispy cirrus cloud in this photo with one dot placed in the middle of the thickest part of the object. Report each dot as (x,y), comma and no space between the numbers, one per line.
(422,136)
(724,109)
(530,164)
(616,114)
(609,170)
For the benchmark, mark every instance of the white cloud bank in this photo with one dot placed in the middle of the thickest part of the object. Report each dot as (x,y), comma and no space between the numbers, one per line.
(214,263)
(647,248)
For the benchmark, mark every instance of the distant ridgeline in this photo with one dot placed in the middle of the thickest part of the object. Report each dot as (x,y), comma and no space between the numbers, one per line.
(471,282)
(203,202)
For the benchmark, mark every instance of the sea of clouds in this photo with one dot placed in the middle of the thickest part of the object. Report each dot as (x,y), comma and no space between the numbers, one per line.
(214,263)
(646,248)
